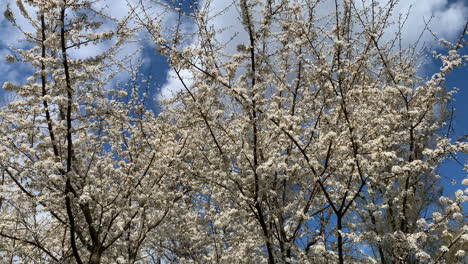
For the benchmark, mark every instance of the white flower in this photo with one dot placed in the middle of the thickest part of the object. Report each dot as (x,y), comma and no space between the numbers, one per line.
(460,253)
(465,181)
(319,247)
(444,249)
(421,222)
(10,58)
(464,237)
(437,216)
(422,255)
(8,86)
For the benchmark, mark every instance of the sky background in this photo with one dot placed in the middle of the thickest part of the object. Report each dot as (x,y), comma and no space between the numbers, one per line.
(448,20)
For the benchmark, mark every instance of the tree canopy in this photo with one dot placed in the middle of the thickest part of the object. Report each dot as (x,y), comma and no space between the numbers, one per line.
(308,136)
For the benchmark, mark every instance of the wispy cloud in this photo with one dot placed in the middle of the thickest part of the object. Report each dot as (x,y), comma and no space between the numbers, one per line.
(444,18)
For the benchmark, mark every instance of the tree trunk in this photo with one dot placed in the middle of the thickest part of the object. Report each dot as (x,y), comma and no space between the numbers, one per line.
(339,227)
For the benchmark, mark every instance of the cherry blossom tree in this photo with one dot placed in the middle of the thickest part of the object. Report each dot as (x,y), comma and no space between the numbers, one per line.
(306,136)
(314,141)
(85,168)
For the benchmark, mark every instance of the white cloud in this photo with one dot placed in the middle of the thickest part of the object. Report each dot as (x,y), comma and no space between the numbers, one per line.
(11,34)
(174,85)
(447,19)
(117,9)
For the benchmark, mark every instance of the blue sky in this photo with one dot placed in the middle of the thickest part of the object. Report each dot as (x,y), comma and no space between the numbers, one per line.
(449,17)
(450,169)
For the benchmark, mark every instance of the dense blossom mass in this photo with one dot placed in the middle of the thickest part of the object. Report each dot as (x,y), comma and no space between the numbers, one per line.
(307,136)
